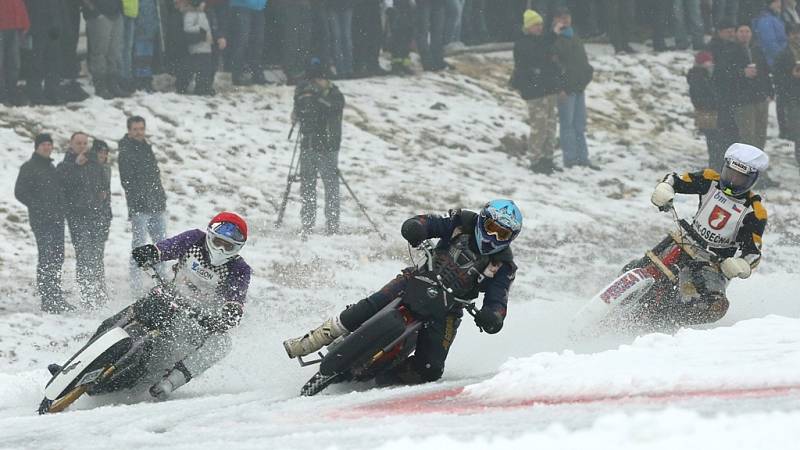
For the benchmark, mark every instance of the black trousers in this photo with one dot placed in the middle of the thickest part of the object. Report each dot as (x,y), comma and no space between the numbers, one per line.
(89,233)
(620,19)
(433,342)
(45,66)
(402,25)
(367,35)
(50,245)
(199,67)
(70,69)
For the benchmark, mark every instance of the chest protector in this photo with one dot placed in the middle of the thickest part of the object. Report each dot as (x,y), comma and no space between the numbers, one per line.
(198,281)
(719,218)
(461,268)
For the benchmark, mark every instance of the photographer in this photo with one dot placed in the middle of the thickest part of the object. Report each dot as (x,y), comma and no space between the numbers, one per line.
(787,79)
(318,106)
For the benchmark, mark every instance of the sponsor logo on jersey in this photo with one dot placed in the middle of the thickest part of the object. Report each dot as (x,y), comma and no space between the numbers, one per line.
(201,271)
(710,237)
(718,218)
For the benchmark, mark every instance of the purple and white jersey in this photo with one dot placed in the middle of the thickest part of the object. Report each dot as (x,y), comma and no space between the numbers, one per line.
(196,279)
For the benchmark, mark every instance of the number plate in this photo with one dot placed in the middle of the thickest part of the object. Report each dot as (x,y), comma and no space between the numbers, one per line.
(91,376)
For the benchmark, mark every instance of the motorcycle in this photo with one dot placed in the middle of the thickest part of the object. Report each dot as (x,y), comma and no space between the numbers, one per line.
(389,337)
(114,359)
(646,296)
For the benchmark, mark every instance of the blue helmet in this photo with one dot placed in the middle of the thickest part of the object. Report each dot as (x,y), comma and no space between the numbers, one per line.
(499,223)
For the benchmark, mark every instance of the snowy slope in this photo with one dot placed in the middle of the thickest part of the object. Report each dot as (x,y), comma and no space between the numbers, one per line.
(419,144)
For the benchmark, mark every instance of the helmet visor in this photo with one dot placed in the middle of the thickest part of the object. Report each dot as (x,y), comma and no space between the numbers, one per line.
(224,245)
(494,228)
(227,230)
(737,180)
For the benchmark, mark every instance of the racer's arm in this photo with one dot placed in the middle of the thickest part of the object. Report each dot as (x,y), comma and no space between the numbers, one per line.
(418,228)
(751,232)
(167,249)
(495,298)
(692,183)
(234,293)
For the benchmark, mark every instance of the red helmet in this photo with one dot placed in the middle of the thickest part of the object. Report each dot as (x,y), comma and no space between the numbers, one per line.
(225,237)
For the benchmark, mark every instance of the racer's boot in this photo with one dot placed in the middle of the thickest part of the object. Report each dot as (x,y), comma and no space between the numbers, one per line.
(175,378)
(315,339)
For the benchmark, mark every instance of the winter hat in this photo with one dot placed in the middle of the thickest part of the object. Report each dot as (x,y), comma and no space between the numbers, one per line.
(531,18)
(99,145)
(315,69)
(40,139)
(725,24)
(703,57)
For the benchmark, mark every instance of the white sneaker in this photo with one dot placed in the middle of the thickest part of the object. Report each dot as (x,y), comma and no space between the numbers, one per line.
(315,339)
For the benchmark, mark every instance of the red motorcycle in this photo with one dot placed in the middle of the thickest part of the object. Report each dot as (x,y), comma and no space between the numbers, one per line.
(645,297)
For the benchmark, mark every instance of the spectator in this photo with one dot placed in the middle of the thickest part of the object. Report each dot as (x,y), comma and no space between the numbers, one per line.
(400,18)
(303,21)
(659,12)
(722,47)
(38,188)
(620,14)
(473,22)
(217,13)
(705,100)
(130,11)
(725,37)
(789,14)
(247,24)
(318,106)
(787,80)
(577,74)
(453,16)
(430,34)
(198,63)
(13,23)
(340,24)
(586,16)
(144,193)
(537,76)
(71,67)
(104,30)
(687,12)
(145,37)
(367,38)
(725,11)
(86,178)
(44,75)
(770,32)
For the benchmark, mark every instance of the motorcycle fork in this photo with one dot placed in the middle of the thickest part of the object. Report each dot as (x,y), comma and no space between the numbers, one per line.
(391,350)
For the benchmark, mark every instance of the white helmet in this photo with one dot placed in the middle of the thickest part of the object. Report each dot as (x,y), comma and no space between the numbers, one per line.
(743,163)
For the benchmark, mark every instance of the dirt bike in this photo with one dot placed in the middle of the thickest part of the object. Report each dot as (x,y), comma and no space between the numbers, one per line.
(114,359)
(389,337)
(645,297)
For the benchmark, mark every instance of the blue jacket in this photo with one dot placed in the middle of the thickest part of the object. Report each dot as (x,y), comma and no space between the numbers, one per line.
(255,5)
(771,34)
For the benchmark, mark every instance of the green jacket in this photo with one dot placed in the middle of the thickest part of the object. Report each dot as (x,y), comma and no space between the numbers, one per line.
(130,8)
(577,72)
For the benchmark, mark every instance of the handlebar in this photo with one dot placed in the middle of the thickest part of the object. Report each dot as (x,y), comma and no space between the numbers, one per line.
(174,297)
(688,239)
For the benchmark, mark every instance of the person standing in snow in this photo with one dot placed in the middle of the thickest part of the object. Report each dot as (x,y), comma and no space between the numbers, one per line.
(729,224)
(86,178)
(38,187)
(198,64)
(537,77)
(705,99)
(141,181)
(486,264)
(318,107)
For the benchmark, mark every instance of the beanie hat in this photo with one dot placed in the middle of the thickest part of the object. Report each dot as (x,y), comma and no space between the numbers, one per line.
(315,68)
(99,145)
(703,57)
(725,24)
(531,18)
(40,139)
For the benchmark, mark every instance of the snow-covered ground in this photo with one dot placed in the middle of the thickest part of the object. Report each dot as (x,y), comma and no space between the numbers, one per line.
(412,145)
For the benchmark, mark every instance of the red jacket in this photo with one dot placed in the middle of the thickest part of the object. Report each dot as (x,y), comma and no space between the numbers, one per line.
(13,15)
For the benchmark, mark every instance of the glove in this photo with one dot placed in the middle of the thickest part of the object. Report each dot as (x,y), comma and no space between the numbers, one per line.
(413,232)
(146,255)
(662,195)
(488,320)
(229,318)
(735,267)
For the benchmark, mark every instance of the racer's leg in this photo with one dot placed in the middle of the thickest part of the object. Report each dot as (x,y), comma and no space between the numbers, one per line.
(701,295)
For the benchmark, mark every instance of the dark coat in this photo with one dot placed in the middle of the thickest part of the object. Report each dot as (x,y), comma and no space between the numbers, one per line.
(537,72)
(734,87)
(787,85)
(87,188)
(320,115)
(702,90)
(47,17)
(38,187)
(108,8)
(577,72)
(141,177)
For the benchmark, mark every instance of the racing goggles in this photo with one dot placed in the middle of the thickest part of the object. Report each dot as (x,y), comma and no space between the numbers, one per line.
(226,236)
(496,229)
(737,178)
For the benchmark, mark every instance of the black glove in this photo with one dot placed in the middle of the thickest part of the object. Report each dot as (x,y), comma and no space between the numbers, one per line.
(413,232)
(488,320)
(154,311)
(146,255)
(229,318)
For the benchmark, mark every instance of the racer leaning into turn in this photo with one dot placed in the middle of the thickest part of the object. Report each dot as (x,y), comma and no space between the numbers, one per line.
(212,279)
(729,223)
(482,238)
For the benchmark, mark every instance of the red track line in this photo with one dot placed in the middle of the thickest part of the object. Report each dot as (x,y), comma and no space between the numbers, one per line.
(454,401)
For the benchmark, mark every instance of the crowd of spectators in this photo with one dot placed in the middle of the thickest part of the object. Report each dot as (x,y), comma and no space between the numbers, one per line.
(128,41)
